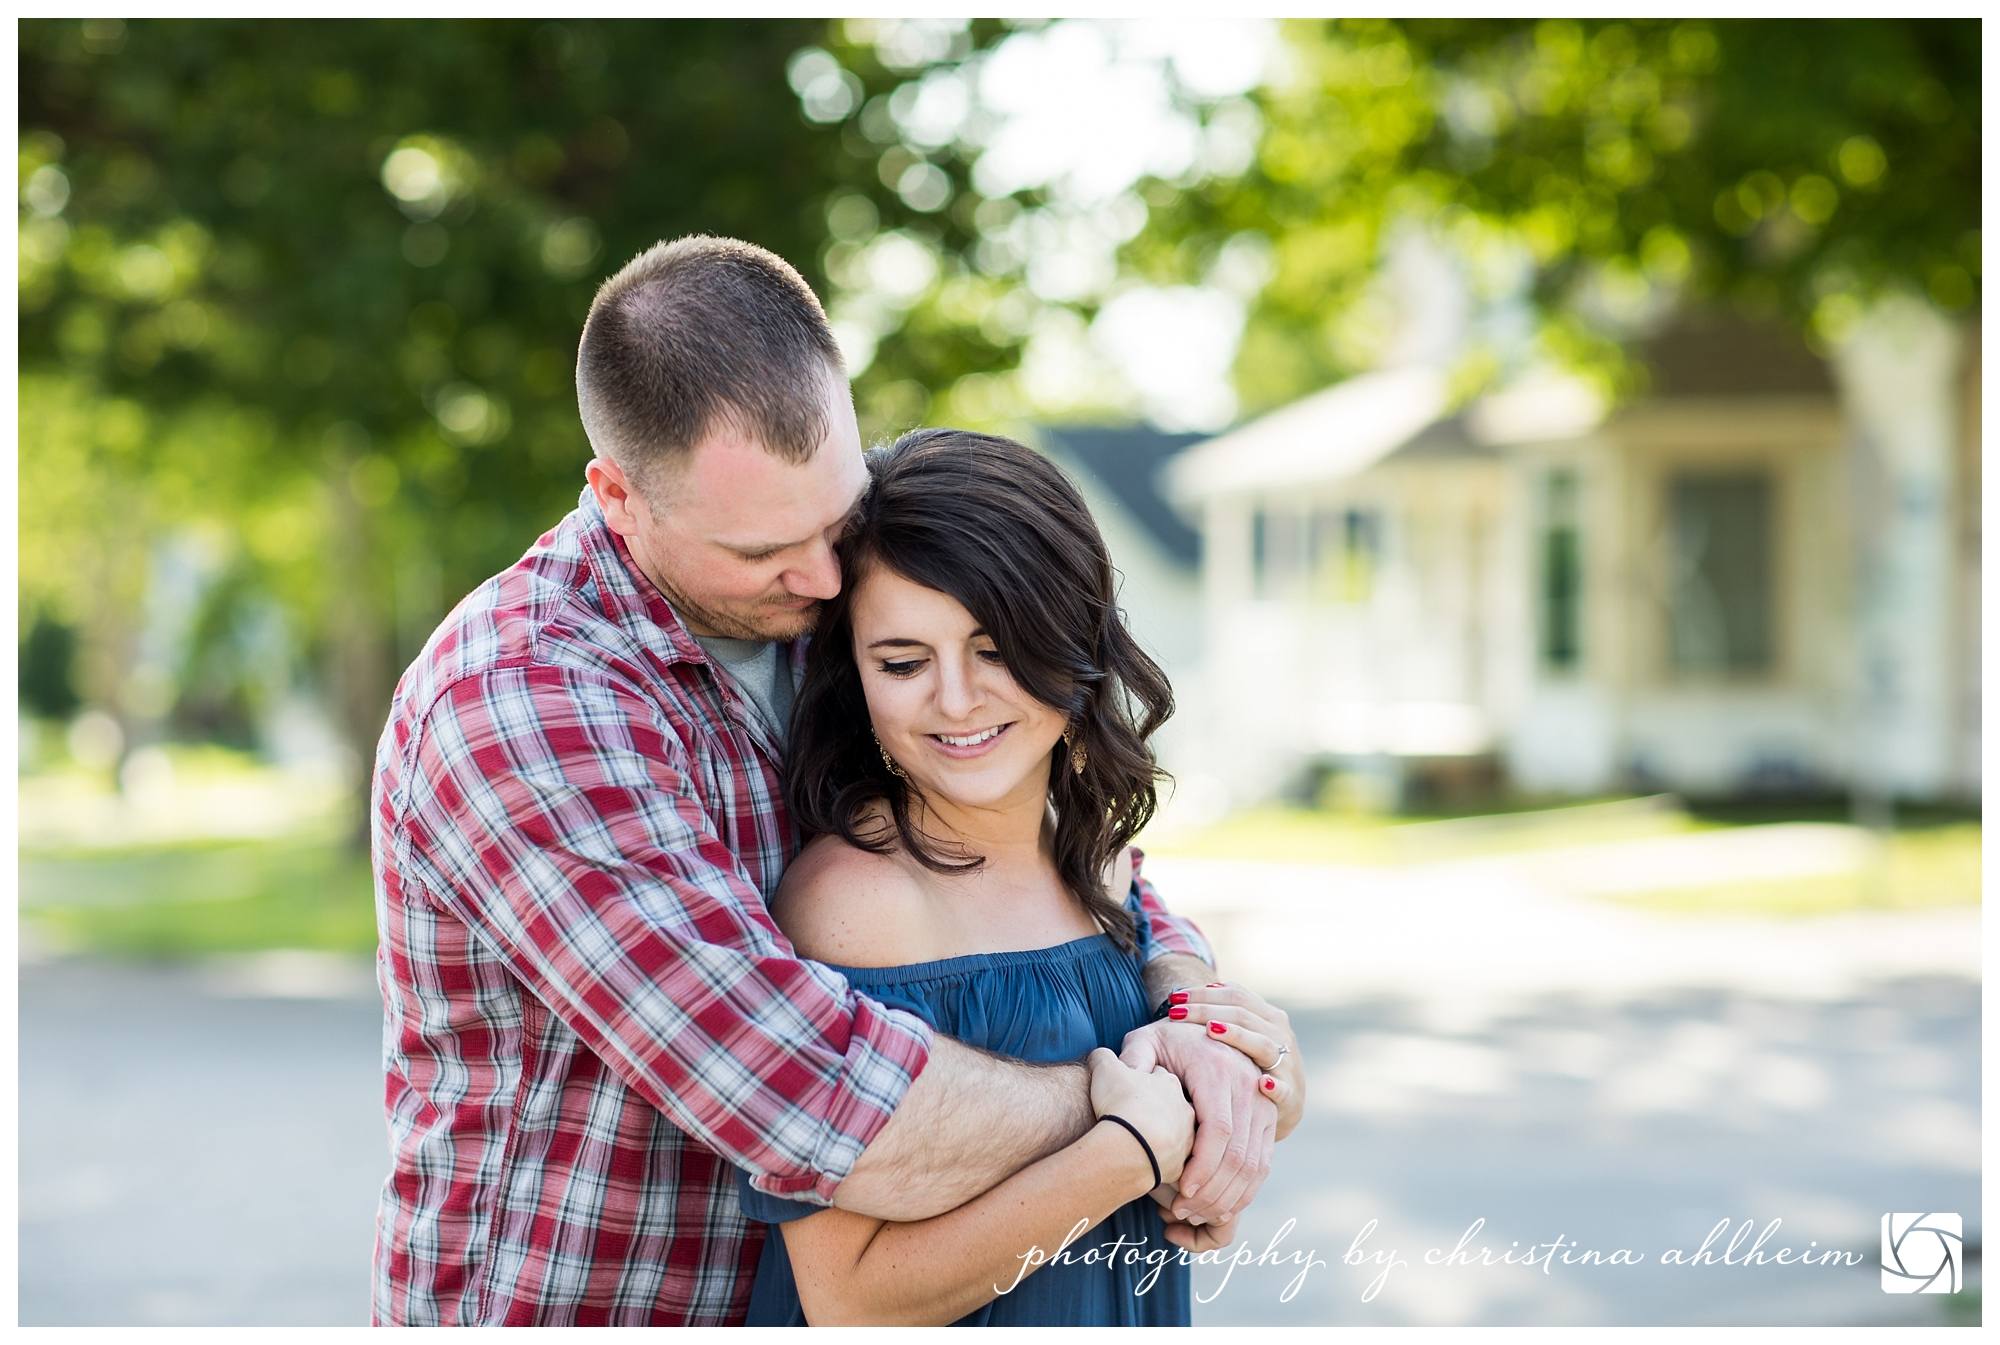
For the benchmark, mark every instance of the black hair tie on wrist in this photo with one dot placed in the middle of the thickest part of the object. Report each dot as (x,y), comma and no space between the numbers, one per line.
(1157,1179)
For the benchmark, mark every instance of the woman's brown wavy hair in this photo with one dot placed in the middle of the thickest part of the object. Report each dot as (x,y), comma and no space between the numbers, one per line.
(998,527)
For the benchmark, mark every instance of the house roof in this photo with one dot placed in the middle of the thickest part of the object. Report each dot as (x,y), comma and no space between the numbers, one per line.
(1354,425)
(1127,463)
(1714,353)
(1452,437)
(1331,434)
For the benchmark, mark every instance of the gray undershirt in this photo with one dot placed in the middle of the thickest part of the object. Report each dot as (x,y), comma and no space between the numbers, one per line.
(762,673)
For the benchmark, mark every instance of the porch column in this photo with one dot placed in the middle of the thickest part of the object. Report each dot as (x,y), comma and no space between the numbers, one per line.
(1898,376)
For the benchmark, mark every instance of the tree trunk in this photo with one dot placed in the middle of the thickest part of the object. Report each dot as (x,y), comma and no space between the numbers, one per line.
(359,640)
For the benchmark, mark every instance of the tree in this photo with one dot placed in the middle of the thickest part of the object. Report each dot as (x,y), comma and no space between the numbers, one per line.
(1793,168)
(1790,168)
(311,290)
(1011,152)
(316,285)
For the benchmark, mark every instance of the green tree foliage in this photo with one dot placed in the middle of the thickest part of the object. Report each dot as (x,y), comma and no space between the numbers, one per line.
(311,289)
(48,656)
(907,210)
(1791,167)
(950,280)
(308,291)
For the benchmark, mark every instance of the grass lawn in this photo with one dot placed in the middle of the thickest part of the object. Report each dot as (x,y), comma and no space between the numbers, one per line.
(194,898)
(223,855)
(1291,834)
(1920,868)
(198,898)
(1931,860)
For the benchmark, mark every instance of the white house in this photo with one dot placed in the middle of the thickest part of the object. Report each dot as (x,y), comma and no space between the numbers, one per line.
(1763,578)
(1156,551)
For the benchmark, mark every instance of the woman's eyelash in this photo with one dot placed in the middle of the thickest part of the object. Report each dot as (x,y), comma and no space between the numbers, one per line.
(910,666)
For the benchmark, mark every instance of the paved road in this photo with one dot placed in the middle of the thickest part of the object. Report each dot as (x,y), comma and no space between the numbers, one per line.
(1638,1126)
(204,1148)
(192,1154)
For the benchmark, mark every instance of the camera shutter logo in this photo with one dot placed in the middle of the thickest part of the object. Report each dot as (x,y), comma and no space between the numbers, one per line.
(1922,1253)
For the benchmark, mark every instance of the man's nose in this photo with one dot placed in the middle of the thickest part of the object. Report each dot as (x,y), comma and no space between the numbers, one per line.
(817,576)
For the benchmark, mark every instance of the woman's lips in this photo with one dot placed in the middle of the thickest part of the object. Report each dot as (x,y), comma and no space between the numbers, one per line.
(974,749)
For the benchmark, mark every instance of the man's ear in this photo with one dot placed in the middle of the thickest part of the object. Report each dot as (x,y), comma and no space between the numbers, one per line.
(621,502)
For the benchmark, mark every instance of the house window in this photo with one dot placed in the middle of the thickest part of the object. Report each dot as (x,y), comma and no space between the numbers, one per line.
(1361,533)
(1274,544)
(1562,574)
(1324,559)
(1345,550)
(1720,604)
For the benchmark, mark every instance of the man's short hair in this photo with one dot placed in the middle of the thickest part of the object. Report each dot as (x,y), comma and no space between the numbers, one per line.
(697,331)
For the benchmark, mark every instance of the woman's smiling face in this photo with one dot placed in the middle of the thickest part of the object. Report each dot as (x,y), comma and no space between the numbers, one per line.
(943,703)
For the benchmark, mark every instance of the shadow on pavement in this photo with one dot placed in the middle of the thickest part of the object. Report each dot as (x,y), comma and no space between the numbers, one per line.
(203,1145)
(1639,1126)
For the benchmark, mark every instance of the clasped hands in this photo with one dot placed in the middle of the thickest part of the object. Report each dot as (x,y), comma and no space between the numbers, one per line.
(1241,1090)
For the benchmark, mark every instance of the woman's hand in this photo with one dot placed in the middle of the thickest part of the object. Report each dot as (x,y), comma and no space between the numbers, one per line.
(1151,1100)
(1245,1020)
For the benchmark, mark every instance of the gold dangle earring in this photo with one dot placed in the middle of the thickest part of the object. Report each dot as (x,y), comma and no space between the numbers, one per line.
(889,761)
(1079,755)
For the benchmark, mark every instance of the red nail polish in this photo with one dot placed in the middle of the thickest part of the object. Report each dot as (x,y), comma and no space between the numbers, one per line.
(1218,1028)
(1269,1084)
(1178,997)
(1177,1013)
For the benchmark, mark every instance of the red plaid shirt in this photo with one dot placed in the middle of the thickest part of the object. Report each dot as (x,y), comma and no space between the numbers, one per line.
(591,1016)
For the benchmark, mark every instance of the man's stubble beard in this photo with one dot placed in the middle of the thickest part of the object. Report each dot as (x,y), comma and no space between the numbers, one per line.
(787,627)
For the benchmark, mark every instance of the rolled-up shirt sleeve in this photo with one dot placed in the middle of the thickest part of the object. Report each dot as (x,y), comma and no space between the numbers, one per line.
(558,819)
(1162,932)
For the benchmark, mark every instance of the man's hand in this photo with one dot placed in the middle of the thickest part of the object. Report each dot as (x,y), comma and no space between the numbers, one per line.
(1235,1126)
(1244,1019)
(1195,1238)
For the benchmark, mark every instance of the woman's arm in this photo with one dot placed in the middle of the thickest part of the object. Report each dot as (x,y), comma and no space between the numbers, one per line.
(852,1270)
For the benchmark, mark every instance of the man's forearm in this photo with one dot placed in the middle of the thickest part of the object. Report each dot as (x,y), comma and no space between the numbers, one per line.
(1169,971)
(969,1121)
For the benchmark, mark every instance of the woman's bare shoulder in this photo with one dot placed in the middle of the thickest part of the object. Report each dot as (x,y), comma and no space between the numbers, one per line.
(842,904)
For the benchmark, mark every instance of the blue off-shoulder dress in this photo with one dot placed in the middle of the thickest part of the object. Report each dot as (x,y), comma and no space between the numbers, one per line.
(1047,1004)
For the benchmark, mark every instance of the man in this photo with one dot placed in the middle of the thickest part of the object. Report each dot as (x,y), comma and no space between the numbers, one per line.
(577,818)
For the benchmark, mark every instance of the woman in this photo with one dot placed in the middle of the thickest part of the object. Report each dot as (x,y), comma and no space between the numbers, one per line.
(968,751)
